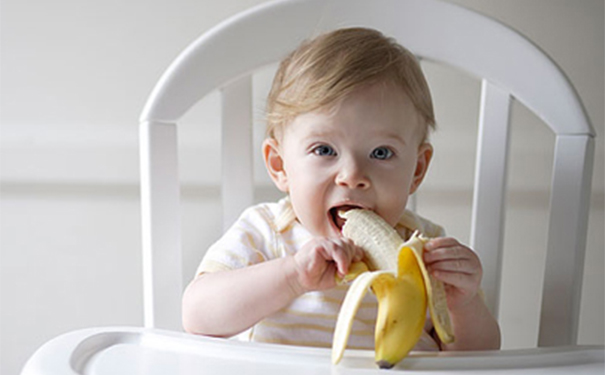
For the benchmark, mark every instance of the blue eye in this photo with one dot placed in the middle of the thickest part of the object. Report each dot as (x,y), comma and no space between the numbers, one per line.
(324,150)
(381,153)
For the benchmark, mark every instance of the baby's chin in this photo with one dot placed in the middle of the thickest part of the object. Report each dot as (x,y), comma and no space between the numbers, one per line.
(324,229)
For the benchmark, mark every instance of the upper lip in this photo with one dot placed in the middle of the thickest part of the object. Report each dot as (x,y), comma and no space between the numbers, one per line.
(350,203)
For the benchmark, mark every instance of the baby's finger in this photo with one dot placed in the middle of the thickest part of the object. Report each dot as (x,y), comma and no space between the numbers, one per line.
(449,253)
(356,252)
(341,256)
(440,242)
(456,279)
(456,265)
(445,254)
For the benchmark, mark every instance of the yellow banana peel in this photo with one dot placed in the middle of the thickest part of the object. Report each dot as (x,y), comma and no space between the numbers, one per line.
(402,285)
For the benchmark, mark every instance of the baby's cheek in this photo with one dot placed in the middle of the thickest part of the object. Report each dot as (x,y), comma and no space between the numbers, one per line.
(392,214)
(314,222)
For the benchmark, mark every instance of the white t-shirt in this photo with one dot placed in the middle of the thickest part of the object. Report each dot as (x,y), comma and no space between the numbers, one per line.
(269,231)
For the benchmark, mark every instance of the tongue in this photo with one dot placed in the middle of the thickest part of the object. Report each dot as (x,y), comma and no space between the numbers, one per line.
(339,221)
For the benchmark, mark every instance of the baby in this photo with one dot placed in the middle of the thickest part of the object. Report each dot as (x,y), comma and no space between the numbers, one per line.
(348,118)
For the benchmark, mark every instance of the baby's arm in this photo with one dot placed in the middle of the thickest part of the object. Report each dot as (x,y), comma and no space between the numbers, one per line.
(225,303)
(460,269)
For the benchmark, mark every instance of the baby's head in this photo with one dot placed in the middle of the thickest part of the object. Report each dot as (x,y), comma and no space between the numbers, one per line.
(324,70)
(348,116)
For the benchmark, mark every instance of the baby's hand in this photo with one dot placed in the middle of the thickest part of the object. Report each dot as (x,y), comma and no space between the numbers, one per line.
(318,261)
(457,266)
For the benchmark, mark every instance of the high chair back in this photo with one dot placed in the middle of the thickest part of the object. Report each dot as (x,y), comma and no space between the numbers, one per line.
(509,65)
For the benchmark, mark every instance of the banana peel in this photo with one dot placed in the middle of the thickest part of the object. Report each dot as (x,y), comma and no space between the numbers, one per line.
(396,273)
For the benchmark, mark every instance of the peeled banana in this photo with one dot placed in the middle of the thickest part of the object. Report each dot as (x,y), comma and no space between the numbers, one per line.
(370,232)
(402,286)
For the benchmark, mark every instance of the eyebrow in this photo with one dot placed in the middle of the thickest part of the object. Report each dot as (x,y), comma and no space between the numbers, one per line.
(321,132)
(395,136)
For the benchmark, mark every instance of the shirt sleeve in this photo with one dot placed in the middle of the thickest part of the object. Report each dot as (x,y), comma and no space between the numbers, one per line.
(249,241)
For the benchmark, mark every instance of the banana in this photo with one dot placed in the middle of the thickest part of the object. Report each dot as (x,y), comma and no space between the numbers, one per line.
(401,316)
(370,232)
(350,305)
(435,290)
(402,285)
(356,269)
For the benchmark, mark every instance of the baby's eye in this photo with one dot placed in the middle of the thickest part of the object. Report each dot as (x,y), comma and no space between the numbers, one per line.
(324,150)
(381,153)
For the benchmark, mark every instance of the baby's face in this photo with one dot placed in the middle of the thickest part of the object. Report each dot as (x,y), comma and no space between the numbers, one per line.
(362,153)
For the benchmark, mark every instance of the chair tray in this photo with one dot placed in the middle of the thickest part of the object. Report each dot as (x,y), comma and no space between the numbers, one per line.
(134,350)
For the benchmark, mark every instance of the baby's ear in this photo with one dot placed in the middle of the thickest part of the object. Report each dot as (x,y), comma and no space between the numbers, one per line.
(425,154)
(275,163)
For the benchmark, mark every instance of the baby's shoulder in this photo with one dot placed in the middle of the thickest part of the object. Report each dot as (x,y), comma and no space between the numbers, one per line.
(266,215)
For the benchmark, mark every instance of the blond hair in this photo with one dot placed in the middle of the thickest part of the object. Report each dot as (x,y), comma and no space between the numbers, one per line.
(326,69)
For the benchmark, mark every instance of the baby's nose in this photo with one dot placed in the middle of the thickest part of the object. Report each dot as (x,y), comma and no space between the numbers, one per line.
(352,175)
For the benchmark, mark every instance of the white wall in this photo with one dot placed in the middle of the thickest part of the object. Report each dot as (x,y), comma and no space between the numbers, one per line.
(75,76)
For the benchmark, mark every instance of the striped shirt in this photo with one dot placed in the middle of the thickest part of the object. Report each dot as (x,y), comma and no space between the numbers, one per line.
(270,231)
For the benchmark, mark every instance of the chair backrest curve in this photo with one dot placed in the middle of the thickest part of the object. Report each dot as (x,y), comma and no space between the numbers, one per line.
(432,29)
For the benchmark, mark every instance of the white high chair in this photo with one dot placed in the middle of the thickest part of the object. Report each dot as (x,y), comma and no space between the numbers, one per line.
(510,66)
(226,56)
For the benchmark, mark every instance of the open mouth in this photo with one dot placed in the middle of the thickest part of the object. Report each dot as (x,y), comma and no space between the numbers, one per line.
(338,221)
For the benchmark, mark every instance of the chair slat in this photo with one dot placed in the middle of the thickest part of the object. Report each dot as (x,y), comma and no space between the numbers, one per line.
(237,187)
(566,240)
(162,267)
(489,192)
